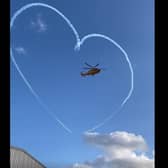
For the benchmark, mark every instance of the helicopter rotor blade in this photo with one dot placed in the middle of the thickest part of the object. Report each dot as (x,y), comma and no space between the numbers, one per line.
(91,65)
(96,65)
(88,65)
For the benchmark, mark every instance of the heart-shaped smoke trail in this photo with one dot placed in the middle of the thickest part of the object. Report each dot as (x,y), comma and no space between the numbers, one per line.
(79,42)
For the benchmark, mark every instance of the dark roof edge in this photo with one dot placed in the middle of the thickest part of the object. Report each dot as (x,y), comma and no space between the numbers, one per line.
(22,150)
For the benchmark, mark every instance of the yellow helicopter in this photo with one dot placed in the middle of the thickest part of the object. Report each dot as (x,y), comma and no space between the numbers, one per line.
(92,70)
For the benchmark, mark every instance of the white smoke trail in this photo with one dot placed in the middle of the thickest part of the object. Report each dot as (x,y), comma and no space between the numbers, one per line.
(77,47)
(36,95)
(17,13)
(131,70)
(105,120)
(17,67)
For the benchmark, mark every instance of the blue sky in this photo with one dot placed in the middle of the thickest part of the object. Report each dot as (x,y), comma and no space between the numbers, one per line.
(43,47)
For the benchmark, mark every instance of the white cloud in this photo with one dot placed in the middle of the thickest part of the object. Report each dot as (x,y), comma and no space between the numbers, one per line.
(119,151)
(20,50)
(39,24)
(76,165)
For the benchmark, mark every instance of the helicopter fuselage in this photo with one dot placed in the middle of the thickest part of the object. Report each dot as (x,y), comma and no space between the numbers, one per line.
(92,72)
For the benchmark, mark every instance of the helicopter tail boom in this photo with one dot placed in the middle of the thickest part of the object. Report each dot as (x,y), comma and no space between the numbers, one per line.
(83,74)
